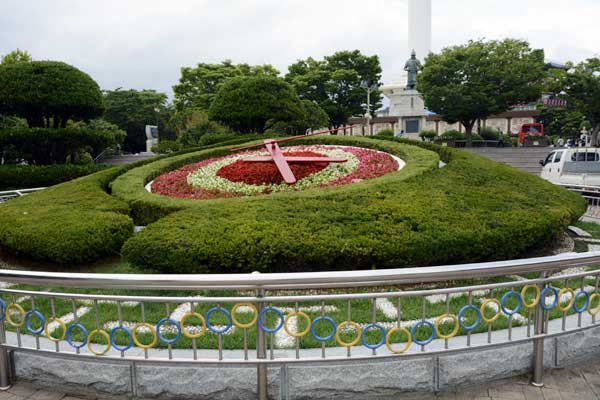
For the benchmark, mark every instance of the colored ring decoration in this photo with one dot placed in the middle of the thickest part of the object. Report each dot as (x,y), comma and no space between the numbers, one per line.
(261,315)
(439,320)
(464,310)
(519,303)
(484,306)
(104,335)
(571,301)
(40,317)
(164,339)
(323,338)
(388,342)
(543,298)
(152,331)
(535,301)
(114,344)
(594,311)
(297,314)
(19,309)
(82,329)
(3,305)
(363,339)
(188,334)
(585,305)
(238,323)
(61,325)
(340,327)
(227,314)
(413,332)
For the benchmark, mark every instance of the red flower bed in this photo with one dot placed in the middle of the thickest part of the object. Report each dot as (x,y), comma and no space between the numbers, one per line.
(259,173)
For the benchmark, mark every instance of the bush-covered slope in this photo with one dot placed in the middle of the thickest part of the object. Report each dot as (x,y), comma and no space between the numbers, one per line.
(473,209)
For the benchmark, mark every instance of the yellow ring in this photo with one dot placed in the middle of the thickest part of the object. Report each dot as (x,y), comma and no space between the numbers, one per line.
(296,314)
(238,323)
(484,306)
(570,304)
(152,331)
(594,311)
(105,336)
(536,300)
(339,331)
(61,324)
(439,320)
(9,317)
(192,335)
(389,335)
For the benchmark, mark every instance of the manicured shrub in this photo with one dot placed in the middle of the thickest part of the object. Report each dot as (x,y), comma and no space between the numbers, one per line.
(53,146)
(453,135)
(387,132)
(488,133)
(73,222)
(166,147)
(32,176)
(427,135)
(473,209)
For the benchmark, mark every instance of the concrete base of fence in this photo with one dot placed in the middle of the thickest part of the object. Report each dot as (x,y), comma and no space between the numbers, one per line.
(377,378)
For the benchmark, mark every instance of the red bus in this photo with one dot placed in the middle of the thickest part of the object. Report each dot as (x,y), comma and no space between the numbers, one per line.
(535,129)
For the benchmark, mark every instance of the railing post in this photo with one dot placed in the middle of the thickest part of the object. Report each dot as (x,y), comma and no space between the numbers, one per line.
(537,378)
(261,353)
(4,364)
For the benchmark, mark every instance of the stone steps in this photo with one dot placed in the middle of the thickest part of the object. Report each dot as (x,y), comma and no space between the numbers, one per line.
(526,159)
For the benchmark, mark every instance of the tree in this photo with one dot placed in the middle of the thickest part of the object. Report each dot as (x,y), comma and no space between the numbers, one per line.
(131,110)
(15,57)
(198,86)
(48,93)
(479,79)
(253,104)
(335,83)
(561,121)
(581,84)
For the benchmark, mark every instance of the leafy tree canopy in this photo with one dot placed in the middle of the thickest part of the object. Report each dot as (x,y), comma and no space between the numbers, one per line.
(131,110)
(561,121)
(482,78)
(15,57)
(48,93)
(198,86)
(334,83)
(253,104)
(581,83)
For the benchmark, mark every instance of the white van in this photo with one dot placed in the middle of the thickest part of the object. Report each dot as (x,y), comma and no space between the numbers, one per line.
(579,166)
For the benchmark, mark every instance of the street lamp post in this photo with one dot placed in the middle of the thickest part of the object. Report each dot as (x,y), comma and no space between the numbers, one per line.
(370,88)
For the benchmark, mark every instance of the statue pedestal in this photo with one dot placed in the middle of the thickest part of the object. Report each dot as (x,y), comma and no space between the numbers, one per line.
(408,106)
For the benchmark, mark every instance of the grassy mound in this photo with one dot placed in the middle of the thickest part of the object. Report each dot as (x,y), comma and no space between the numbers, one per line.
(471,210)
(76,221)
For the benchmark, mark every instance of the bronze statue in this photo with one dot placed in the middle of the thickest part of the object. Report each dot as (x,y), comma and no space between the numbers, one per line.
(413,66)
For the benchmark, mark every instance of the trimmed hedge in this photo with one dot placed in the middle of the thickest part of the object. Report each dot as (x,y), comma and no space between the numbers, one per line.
(73,222)
(471,210)
(32,176)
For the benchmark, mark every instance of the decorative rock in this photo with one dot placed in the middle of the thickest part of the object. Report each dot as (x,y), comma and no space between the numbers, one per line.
(578,231)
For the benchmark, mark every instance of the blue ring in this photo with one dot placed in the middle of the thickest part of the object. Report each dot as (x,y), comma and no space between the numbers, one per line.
(38,314)
(517,308)
(364,340)
(211,327)
(261,315)
(466,308)
(585,305)
(543,298)
(323,338)
(3,305)
(82,329)
(413,332)
(164,339)
(112,337)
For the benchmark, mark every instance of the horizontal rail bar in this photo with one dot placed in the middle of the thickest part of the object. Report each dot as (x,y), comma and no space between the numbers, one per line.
(302,280)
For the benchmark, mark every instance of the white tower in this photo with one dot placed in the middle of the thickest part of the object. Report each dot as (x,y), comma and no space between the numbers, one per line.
(419,27)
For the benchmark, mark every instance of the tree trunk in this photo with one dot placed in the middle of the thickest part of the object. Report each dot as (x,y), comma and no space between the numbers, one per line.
(468,132)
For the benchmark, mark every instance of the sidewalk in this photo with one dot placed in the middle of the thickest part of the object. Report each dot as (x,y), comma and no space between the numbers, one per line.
(560,384)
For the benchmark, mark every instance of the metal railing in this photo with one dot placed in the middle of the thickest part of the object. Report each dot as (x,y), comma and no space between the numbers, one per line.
(11,194)
(591,194)
(315,317)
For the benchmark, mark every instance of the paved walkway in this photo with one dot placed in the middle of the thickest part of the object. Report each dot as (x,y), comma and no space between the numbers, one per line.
(560,384)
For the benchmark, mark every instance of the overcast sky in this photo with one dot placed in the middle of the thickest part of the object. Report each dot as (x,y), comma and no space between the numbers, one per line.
(143,43)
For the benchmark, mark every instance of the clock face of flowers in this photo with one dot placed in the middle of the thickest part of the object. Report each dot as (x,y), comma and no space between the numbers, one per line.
(231,176)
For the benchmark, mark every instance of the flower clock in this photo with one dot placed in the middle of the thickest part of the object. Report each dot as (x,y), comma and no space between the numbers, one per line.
(236,176)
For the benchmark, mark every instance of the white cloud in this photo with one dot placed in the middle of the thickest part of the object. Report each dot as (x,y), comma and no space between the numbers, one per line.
(142,44)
